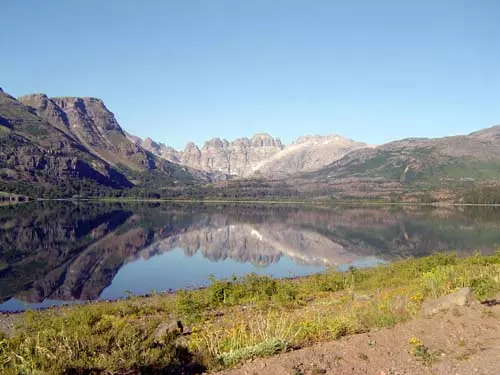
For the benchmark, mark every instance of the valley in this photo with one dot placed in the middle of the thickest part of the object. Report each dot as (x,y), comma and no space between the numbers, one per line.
(74,147)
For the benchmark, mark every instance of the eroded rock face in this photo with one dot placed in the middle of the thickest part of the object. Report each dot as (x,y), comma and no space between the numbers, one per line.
(307,153)
(259,156)
(88,121)
(219,155)
(41,153)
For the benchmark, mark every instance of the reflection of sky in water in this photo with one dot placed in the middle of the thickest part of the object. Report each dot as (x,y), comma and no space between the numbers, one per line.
(173,270)
(301,237)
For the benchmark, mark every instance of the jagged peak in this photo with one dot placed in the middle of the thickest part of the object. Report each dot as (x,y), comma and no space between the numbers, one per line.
(77,101)
(149,143)
(35,95)
(215,142)
(319,138)
(262,135)
(79,98)
(191,146)
(39,100)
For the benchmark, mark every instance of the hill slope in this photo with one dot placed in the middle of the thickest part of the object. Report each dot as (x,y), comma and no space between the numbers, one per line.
(421,160)
(67,146)
(89,122)
(94,126)
(306,154)
(36,156)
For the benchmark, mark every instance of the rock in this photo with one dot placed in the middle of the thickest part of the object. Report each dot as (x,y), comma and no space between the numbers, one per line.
(460,298)
(167,328)
(95,126)
(362,297)
(261,155)
(41,151)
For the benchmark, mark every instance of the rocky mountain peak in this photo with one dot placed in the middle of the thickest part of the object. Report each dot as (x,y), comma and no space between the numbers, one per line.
(191,146)
(265,140)
(322,138)
(148,143)
(215,143)
(261,154)
(88,121)
(307,153)
(48,109)
(88,111)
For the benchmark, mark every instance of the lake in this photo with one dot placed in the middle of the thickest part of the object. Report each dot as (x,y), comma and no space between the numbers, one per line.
(64,252)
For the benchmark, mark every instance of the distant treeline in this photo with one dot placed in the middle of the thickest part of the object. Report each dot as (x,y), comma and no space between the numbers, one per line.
(85,189)
(483,195)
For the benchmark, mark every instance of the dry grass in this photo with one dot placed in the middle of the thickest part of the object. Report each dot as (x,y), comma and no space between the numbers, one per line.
(233,320)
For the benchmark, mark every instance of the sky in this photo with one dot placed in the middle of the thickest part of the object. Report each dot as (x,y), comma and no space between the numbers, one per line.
(180,71)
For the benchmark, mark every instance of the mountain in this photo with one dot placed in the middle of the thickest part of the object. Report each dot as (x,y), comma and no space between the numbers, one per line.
(237,158)
(431,161)
(307,153)
(35,155)
(67,146)
(259,156)
(89,122)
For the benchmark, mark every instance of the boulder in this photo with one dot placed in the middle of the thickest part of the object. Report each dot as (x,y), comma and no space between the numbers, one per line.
(459,298)
(163,330)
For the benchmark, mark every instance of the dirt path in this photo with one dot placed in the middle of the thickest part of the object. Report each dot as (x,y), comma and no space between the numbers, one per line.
(462,341)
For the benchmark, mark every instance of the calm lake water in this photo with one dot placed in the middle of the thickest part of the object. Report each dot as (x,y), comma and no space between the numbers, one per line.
(54,253)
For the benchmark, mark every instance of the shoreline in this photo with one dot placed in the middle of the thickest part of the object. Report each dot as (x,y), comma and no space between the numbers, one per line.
(263,202)
(231,321)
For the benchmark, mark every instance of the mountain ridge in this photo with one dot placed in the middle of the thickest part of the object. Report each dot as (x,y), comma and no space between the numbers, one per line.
(260,155)
(474,156)
(69,146)
(74,146)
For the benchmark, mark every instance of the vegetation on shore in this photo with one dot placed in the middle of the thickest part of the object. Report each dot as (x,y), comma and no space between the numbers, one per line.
(233,320)
(485,195)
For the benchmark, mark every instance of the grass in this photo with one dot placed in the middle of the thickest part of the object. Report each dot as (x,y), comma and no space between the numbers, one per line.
(236,319)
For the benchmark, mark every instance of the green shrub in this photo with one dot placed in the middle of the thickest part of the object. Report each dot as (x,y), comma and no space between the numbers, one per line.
(263,349)
(250,288)
(484,287)
(189,306)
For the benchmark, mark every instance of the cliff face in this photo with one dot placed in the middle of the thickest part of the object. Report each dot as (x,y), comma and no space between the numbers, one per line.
(88,121)
(307,153)
(259,156)
(36,153)
(46,139)
(239,157)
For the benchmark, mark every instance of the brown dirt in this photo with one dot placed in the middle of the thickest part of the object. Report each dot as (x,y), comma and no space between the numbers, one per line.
(464,340)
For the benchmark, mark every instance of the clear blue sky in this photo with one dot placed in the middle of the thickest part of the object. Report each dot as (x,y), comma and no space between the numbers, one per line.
(183,70)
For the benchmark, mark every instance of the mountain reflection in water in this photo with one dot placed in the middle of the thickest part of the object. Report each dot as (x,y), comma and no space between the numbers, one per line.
(53,252)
